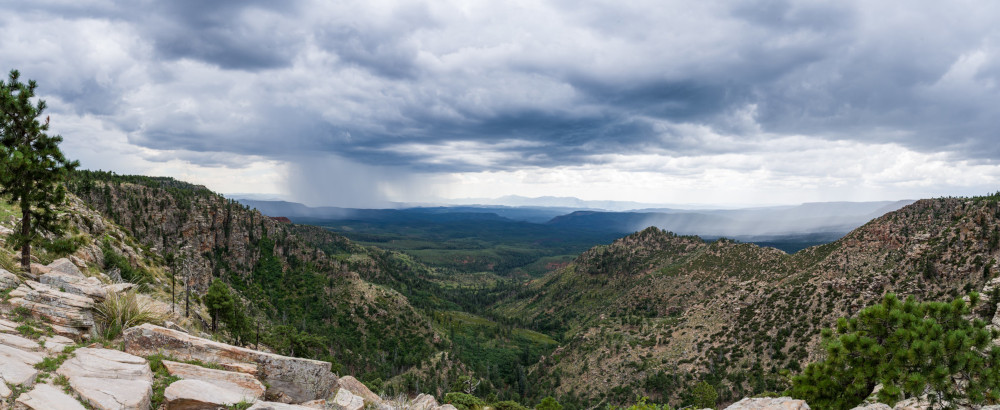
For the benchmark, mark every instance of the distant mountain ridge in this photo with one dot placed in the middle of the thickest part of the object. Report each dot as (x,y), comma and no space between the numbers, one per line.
(789,228)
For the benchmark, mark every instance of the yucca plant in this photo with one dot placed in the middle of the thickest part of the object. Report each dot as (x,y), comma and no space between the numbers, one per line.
(120,311)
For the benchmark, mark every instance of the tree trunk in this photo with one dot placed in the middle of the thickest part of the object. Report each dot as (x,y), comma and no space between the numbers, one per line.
(26,235)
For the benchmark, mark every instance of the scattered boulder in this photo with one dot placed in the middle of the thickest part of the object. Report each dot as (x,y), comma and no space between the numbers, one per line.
(346,400)
(47,397)
(5,391)
(198,395)
(299,379)
(359,389)
(246,385)
(873,406)
(109,379)
(780,403)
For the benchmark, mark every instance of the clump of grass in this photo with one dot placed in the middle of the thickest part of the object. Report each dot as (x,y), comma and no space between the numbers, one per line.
(120,311)
(29,331)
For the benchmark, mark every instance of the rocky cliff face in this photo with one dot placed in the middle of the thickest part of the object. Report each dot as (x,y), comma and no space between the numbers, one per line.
(654,313)
(314,302)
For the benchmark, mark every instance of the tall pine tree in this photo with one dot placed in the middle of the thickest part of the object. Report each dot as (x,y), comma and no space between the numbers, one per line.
(32,168)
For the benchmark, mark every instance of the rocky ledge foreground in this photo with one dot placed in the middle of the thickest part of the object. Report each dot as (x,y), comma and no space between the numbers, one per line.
(45,365)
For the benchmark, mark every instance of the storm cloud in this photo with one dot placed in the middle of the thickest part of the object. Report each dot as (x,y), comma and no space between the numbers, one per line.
(438,87)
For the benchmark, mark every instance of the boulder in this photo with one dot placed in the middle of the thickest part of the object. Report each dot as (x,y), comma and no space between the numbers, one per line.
(61,309)
(346,400)
(359,389)
(873,406)
(5,391)
(424,402)
(780,403)
(109,379)
(47,397)
(75,284)
(299,379)
(65,266)
(198,395)
(8,280)
(248,386)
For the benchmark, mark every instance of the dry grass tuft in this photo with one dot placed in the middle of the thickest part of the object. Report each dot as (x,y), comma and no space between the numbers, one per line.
(123,310)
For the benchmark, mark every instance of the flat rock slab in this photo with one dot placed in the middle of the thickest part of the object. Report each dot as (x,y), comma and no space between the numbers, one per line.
(17,366)
(109,379)
(248,386)
(113,394)
(47,397)
(106,364)
(300,380)
(56,344)
(198,395)
(20,343)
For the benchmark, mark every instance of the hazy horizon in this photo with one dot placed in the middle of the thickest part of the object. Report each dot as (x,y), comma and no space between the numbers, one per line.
(369,103)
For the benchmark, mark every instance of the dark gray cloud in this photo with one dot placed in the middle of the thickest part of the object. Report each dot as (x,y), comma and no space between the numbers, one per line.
(568,81)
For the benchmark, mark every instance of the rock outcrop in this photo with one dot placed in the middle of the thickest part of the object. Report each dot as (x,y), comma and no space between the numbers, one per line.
(69,314)
(298,379)
(65,276)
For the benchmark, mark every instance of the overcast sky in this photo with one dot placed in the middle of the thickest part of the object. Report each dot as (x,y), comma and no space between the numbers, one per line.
(359,103)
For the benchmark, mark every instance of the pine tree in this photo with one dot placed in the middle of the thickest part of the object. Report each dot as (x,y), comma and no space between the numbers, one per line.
(219,302)
(32,168)
(911,349)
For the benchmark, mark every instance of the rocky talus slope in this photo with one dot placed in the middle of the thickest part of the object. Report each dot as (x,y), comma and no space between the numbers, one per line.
(49,360)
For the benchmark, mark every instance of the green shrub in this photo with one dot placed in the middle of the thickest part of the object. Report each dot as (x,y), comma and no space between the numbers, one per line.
(549,403)
(463,401)
(910,348)
(508,405)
